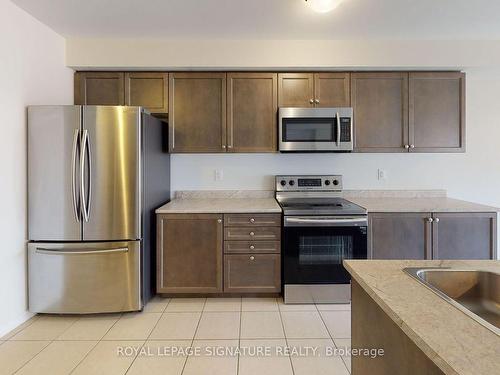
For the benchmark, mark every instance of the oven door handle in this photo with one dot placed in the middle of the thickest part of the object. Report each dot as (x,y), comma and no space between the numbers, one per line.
(325,221)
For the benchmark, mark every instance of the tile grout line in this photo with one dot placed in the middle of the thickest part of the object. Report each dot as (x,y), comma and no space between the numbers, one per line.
(37,353)
(97,343)
(194,335)
(46,346)
(147,338)
(284,334)
(331,337)
(33,319)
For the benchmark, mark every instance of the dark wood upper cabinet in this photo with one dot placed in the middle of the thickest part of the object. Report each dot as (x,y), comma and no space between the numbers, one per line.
(399,236)
(437,111)
(313,90)
(380,104)
(332,90)
(189,253)
(149,90)
(99,88)
(197,112)
(464,235)
(251,112)
(295,90)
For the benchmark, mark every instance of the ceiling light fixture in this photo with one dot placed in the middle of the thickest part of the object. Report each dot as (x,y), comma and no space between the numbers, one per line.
(323,6)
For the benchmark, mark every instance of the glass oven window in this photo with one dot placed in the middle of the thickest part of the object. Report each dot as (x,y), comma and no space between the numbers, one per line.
(324,250)
(308,130)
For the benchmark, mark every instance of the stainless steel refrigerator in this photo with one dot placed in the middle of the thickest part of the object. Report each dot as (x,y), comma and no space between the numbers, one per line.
(95,176)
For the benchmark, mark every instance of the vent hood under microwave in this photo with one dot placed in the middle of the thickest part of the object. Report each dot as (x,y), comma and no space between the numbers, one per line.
(316,129)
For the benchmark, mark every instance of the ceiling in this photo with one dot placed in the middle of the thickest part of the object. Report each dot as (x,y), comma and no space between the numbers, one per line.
(269,19)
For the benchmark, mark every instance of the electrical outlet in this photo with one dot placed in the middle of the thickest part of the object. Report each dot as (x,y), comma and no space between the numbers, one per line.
(218,175)
(381,174)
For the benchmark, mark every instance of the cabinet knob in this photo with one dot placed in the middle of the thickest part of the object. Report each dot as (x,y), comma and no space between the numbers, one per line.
(223,146)
(430,219)
(412,146)
(407,146)
(252,257)
(311,101)
(219,221)
(316,101)
(252,220)
(252,234)
(252,247)
(436,220)
(229,146)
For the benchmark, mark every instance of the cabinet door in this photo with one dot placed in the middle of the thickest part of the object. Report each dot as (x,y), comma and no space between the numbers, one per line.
(254,273)
(399,236)
(332,90)
(437,112)
(189,254)
(296,90)
(252,104)
(464,235)
(149,90)
(197,112)
(380,104)
(99,88)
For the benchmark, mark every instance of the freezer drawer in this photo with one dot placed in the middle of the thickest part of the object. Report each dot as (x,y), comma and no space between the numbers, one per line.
(82,278)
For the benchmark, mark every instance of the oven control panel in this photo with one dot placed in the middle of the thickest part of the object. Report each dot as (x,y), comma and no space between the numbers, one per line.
(309,183)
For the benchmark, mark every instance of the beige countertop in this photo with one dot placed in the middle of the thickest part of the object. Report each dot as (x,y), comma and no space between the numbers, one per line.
(456,343)
(255,201)
(421,204)
(221,205)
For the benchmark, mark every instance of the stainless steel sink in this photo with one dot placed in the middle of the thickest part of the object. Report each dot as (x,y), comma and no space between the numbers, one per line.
(476,293)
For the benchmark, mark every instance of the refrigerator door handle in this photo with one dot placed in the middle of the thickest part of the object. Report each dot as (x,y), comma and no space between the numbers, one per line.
(76,138)
(42,250)
(85,199)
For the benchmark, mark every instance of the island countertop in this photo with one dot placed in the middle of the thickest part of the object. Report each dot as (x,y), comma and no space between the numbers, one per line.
(456,343)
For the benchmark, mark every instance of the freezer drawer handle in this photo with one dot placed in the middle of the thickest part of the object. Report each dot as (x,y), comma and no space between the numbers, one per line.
(42,250)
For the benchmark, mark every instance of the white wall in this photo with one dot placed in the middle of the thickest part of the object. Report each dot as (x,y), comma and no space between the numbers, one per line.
(474,175)
(32,71)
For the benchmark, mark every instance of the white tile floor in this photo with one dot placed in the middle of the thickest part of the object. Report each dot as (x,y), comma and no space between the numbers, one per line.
(210,336)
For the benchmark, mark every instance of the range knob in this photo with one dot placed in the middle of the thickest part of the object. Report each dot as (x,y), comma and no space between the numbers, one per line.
(327,182)
(335,182)
(291,182)
(283,182)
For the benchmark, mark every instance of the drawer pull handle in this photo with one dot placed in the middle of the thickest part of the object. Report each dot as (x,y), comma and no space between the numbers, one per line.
(252,247)
(252,234)
(252,257)
(252,220)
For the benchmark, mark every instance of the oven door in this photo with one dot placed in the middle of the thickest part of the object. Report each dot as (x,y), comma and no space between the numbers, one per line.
(314,248)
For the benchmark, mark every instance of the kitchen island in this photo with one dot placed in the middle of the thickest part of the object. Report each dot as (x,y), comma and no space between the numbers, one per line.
(419,331)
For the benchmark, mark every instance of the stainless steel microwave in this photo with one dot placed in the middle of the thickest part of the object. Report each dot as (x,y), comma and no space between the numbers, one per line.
(315,129)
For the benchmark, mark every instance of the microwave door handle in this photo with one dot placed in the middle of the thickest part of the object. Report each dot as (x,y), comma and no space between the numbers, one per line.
(338,129)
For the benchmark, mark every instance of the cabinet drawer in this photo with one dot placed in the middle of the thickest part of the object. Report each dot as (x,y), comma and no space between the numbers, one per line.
(257,220)
(259,273)
(252,247)
(252,234)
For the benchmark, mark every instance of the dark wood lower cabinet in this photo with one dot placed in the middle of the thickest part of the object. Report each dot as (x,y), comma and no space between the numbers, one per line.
(189,254)
(254,273)
(194,258)
(372,328)
(449,235)
(464,235)
(399,236)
